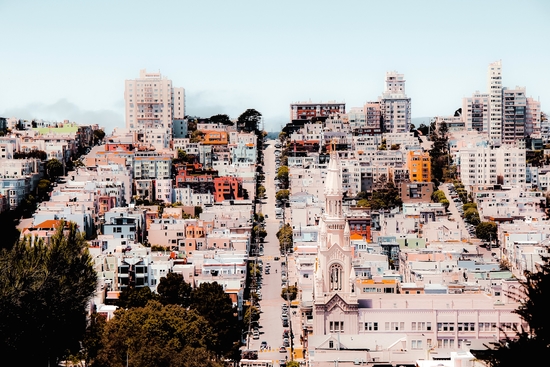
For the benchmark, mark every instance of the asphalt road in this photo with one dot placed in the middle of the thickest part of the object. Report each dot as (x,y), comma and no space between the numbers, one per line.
(454,213)
(271,328)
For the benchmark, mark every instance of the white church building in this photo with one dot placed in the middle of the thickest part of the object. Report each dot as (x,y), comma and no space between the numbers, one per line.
(353,325)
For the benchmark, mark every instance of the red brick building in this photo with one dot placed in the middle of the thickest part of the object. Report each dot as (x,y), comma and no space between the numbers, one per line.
(228,188)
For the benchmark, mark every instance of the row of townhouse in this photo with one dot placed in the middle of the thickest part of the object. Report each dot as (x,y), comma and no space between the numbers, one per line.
(19,173)
(85,196)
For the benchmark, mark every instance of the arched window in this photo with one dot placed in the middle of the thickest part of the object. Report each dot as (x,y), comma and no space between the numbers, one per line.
(336,277)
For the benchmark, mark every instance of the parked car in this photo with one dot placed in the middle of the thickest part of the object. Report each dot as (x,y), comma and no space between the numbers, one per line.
(282,349)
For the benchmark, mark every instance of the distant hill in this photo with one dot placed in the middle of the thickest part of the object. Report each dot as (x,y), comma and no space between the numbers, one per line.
(273,135)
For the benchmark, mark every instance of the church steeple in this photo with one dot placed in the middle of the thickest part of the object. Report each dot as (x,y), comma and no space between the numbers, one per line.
(333,186)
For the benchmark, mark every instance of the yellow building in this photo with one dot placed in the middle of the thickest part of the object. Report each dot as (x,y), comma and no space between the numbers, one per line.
(419,165)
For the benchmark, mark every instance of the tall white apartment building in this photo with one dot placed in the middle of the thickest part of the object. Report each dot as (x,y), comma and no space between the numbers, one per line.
(511,166)
(477,166)
(395,107)
(486,166)
(494,84)
(152,103)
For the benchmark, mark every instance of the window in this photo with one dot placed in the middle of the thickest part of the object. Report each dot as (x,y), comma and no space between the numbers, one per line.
(336,326)
(416,344)
(466,326)
(331,344)
(445,326)
(336,277)
(371,326)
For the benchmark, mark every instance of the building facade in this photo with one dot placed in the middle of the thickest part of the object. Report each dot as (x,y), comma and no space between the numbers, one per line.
(152,104)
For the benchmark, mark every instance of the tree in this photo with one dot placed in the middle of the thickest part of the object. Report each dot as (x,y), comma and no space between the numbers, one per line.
(260,232)
(424,129)
(439,152)
(157,335)
(471,216)
(43,189)
(98,136)
(259,217)
(282,194)
(196,136)
(486,231)
(131,297)
(285,238)
(527,345)
(438,195)
(251,314)
(282,176)
(54,168)
(211,302)
(289,293)
(46,288)
(221,119)
(260,191)
(174,290)
(91,343)
(249,121)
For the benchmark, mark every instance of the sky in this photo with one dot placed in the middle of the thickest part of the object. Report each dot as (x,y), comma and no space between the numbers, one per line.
(69,59)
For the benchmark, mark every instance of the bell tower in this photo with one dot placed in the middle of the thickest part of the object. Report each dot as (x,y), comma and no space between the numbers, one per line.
(335,301)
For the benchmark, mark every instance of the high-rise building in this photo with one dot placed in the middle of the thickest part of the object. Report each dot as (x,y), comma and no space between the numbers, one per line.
(513,114)
(532,118)
(152,103)
(475,112)
(494,85)
(395,107)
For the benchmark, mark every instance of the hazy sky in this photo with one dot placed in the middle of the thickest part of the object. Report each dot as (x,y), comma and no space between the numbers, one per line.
(69,59)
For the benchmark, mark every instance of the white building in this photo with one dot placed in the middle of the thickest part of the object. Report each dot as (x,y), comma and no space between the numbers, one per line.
(494,85)
(394,105)
(153,103)
(481,166)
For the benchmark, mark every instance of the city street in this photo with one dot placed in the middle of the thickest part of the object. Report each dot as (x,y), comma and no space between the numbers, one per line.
(455,215)
(271,328)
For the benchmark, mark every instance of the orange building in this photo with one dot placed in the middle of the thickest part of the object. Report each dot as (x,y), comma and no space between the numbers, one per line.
(215,138)
(419,165)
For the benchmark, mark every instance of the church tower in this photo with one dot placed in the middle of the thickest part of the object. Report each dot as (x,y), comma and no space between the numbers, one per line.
(335,302)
